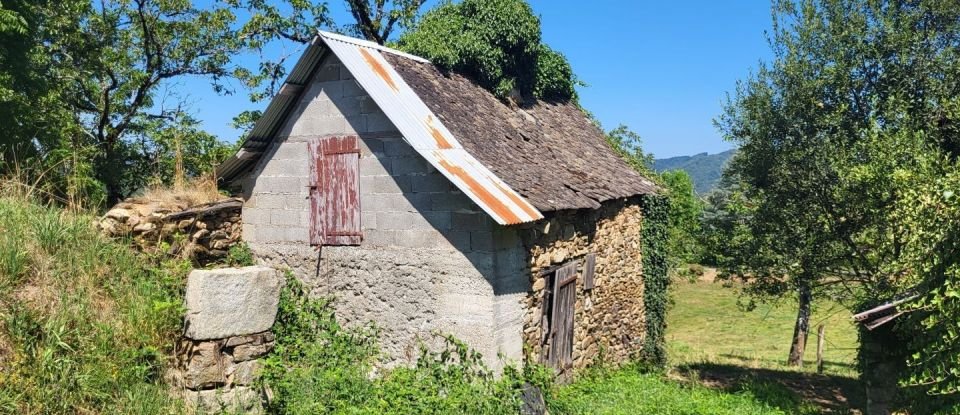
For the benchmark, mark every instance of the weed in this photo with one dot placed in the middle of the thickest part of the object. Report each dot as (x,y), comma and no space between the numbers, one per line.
(239,255)
(318,366)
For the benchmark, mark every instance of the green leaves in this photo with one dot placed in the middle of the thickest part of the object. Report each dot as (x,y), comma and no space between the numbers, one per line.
(495,42)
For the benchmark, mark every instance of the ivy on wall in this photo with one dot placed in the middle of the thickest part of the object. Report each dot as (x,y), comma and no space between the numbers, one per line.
(655,279)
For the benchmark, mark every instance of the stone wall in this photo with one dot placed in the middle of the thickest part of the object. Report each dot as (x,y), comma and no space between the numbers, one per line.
(430,258)
(202,232)
(609,317)
(229,313)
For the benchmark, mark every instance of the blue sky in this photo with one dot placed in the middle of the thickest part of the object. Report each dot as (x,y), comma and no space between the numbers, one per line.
(660,67)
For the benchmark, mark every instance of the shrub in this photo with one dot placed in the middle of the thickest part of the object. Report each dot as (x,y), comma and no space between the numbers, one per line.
(318,366)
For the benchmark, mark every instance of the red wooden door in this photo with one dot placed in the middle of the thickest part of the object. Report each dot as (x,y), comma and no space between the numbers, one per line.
(335,191)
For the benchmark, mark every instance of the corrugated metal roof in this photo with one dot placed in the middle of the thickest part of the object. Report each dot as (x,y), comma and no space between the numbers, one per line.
(266,127)
(425,133)
(418,125)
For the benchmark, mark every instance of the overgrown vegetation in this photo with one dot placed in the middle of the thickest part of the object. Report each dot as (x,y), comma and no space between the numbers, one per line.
(631,391)
(319,366)
(85,323)
(495,42)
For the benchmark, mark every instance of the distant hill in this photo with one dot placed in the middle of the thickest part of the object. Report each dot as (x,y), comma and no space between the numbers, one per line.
(703,168)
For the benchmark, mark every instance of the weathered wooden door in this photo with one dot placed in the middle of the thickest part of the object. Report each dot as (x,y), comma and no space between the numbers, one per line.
(335,191)
(562,310)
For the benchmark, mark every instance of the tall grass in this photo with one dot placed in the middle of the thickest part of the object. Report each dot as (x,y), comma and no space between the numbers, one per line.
(85,323)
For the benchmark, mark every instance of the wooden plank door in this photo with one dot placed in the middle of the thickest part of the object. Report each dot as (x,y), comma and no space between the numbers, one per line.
(564,300)
(335,191)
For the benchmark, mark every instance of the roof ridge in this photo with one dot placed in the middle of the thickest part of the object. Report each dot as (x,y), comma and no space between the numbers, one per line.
(368,44)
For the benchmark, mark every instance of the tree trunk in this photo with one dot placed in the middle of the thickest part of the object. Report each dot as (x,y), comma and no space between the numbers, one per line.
(802,326)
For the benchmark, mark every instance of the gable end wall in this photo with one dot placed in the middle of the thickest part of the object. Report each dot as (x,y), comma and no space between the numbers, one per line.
(430,259)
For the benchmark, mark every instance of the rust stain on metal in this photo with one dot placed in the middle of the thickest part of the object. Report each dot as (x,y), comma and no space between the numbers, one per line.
(489,199)
(442,142)
(379,69)
(529,210)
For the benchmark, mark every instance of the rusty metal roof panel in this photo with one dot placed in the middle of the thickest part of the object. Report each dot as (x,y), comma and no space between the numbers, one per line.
(422,129)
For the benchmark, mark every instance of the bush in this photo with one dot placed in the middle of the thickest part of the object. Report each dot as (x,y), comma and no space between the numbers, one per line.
(495,42)
(85,323)
(318,366)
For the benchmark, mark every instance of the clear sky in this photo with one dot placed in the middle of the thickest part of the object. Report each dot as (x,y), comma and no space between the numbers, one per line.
(660,67)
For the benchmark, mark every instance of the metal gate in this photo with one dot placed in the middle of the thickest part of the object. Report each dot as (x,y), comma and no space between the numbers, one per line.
(564,298)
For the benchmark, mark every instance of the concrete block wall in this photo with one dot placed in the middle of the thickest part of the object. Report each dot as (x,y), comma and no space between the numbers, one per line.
(430,259)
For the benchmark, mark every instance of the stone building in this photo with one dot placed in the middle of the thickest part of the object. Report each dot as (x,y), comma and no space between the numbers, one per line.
(423,203)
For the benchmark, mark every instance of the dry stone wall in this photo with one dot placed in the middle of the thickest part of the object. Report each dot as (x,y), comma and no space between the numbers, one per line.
(229,313)
(610,317)
(203,232)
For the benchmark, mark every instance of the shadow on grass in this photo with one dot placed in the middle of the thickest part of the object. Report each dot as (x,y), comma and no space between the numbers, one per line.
(791,391)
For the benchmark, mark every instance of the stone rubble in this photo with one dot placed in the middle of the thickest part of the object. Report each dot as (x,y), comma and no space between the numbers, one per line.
(202,233)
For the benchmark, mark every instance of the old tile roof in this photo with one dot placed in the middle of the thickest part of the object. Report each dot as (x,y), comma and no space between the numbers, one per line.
(548,152)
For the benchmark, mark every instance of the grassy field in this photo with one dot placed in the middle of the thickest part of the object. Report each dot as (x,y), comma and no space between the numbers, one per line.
(712,341)
(706,325)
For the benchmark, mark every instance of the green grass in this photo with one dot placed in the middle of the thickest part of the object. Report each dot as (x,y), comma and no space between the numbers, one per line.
(629,391)
(85,324)
(705,324)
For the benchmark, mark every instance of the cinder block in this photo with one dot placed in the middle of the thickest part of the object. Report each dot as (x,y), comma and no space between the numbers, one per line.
(368,105)
(373,166)
(481,241)
(391,184)
(379,237)
(352,89)
(431,183)
(438,220)
(282,185)
(271,201)
(457,239)
(256,216)
(370,146)
(297,202)
(296,234)
(312,124)
(400,221)
(469,221)
(249,232)
(290,151)
(398,148)
(347,106)
(378,122)
(330,89)
(269,234)
(368,220)
(408,165)
(345,73)
(286,218)
(418,238)
(289,168)
(355,124)
(452,202)
(328,72)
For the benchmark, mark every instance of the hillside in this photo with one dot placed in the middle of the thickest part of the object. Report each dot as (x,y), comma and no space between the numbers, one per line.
(703,168)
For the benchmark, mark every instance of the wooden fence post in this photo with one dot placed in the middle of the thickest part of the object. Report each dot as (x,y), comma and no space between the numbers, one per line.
(820,340)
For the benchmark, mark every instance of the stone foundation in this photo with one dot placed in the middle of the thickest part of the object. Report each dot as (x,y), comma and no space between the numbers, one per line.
(610,317)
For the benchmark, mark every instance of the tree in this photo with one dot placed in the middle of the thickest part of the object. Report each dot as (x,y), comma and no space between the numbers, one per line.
(376,23)
(685,212)
(857,94)
(495,42)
